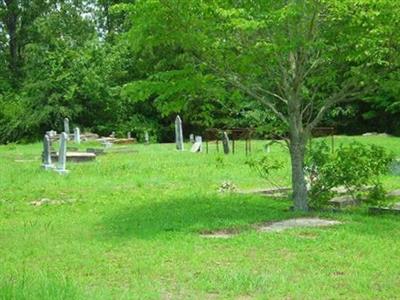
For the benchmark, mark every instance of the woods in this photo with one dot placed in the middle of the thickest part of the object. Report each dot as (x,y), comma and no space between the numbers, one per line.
(132,65)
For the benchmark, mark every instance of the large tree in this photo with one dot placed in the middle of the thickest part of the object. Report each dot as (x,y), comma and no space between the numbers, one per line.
(299,58)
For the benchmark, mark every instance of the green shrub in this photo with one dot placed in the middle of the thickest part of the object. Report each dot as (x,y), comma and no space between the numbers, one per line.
(354,167)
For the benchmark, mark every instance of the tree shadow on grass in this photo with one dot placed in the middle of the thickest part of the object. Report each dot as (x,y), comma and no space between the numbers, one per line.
(192,214)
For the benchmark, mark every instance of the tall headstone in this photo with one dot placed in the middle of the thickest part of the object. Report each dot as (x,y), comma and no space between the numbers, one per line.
(146,138)
(129,136)
(198,145)
(112,134)
(77,135)
(178,134)
(62,154)
(47,153)
(66,126)
(225,142)
(191,138)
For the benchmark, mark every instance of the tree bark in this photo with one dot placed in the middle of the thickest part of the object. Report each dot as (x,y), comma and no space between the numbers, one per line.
(298,135)
(298,141)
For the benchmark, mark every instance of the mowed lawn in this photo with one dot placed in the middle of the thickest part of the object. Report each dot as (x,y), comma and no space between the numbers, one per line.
(129,228)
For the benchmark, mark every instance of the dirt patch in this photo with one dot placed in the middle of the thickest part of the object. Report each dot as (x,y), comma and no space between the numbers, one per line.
(273,227)
(45,201)
(293,223)
(219,234)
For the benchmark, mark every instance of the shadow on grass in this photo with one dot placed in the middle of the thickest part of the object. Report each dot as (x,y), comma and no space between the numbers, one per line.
(192,214)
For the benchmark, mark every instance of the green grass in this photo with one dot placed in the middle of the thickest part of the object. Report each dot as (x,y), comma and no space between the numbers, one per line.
(129,230)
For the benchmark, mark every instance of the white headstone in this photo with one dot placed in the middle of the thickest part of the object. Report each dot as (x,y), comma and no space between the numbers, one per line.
(62,154)
(129,135)
(191,138)
(198,145)
(66,126)
(146,137)
(179,134)
(51,133)
(77,135)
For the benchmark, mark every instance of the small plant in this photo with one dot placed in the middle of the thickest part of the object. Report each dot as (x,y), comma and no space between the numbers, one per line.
(227,187)
(265,166)
(353,167)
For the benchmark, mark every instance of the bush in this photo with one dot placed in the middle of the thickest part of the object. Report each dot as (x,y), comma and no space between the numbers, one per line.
(353,167)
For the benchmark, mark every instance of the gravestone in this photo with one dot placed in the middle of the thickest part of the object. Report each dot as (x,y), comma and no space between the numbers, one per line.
(51,133)
(66,126)
(62,154)
(106,144)
(179,134)
(344,201)
(77,135)
(394,193)
(198,145)
(146,137)
(129,135)
(47,165)
(112,135)
(191,138)
(225,142)
(394,167)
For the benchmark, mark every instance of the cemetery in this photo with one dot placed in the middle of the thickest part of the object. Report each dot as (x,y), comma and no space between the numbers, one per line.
(143,206)
(185,149)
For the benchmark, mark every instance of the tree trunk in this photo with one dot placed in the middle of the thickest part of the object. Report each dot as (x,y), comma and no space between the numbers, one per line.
(298,142)
(299,186)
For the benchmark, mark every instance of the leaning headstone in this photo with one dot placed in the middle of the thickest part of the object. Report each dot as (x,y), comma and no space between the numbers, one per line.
(198,145)
(191,138)
(62,155)
(178,134)
(47,165)
(146,138)
(77,135)
(66,126)
(225,142)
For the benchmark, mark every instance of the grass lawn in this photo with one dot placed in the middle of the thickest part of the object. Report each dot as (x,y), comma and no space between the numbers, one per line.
(130,230)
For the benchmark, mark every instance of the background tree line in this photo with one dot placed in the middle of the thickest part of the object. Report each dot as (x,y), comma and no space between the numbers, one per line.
(123,66)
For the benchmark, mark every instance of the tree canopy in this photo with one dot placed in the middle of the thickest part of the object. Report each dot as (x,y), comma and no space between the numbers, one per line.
(132,65)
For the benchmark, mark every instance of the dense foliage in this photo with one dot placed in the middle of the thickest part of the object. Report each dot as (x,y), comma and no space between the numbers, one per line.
(356,168)
(113,65)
